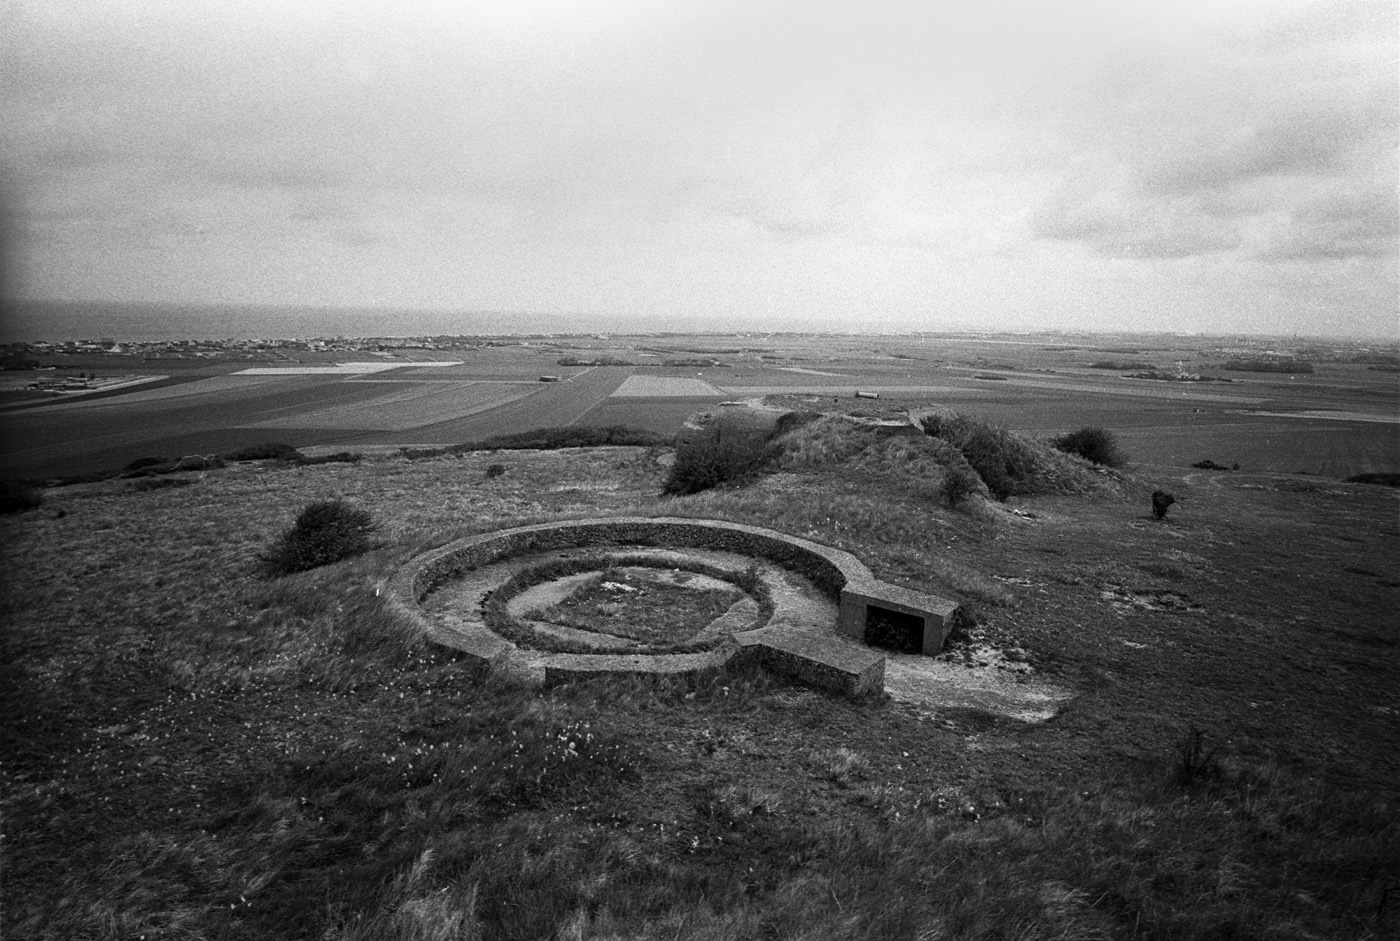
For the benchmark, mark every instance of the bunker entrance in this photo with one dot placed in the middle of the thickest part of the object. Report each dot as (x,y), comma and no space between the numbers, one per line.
(893,630)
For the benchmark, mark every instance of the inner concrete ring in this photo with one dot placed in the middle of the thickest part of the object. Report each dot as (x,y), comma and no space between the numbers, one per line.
(792,641)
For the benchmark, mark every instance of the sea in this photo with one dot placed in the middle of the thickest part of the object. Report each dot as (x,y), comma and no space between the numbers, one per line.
(58,321)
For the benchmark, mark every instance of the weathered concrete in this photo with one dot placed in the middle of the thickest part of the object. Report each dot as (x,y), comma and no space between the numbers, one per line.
(936,614)
(563,667)
(809,652)
(826,661)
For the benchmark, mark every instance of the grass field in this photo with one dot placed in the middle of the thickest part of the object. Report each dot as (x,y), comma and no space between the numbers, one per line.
(193,750)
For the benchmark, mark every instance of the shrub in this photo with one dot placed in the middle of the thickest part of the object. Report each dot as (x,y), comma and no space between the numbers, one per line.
(1093,444)
(339,457)
(16,496)
(1269,365)
(1111,364)
(326,531)
(1386,479)
(199,462)
(141,462)
(702,463)
(1195,761)
(1004,462)
(548,439)
(616,436)
(268,450)
(495,470)
(959,483)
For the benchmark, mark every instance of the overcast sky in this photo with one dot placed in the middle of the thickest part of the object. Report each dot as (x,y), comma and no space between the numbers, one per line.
(1211,166)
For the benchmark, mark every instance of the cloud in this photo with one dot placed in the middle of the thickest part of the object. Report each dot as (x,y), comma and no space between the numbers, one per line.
(1273,144)
(1105,206)
(1317,142)
(550,143)
(1334,225)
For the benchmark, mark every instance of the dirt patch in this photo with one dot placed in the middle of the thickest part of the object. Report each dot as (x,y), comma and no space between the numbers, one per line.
(1129,599)
(631,602)
(981,677)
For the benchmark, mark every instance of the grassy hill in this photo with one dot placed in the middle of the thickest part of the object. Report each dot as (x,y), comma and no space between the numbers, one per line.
(193,749)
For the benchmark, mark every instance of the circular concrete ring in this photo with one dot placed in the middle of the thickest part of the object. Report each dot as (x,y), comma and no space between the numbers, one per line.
(812,652)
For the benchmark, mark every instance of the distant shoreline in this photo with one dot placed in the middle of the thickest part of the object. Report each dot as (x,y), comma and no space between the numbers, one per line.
(29,321)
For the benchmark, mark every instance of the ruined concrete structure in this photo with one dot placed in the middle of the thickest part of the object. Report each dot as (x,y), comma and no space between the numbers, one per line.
(819,654)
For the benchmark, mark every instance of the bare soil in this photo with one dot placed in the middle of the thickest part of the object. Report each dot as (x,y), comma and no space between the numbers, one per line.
(645,605)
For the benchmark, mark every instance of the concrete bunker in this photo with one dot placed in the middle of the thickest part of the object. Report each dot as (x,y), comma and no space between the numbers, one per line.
(816,639)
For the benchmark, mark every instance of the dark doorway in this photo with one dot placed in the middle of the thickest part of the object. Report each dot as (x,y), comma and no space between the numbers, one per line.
(893,630)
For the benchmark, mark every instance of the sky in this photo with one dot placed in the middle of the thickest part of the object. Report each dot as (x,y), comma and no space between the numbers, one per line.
(1006,164)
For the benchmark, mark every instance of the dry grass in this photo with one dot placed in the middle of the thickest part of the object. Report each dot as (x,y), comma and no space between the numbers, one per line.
(901,541)
(194,751)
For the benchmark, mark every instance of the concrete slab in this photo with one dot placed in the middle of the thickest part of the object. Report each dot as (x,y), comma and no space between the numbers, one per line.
(563,667)
(858,601)
(826,661)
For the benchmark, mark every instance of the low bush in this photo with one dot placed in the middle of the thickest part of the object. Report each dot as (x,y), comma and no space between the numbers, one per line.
(1386,479)
(702,463)
(495,470)
(339,457)
(1112,364)
(1197,761)
(269,450)
(326,531)
(16,496)
(1093,444)
(550,439)
(959,483)
(1269,365)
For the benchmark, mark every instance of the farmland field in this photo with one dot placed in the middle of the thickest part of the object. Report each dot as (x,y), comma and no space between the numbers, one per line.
(413,405)
(665,387)
(1342,419)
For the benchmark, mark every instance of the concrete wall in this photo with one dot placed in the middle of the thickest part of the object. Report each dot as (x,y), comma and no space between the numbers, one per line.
(821,659)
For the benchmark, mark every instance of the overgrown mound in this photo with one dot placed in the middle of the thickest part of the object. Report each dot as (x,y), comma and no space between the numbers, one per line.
(1009,464)
(956,456)
(326,531)
(901,456)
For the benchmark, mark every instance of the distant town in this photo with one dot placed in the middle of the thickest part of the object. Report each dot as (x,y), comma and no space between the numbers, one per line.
(252,349)
(71,363)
